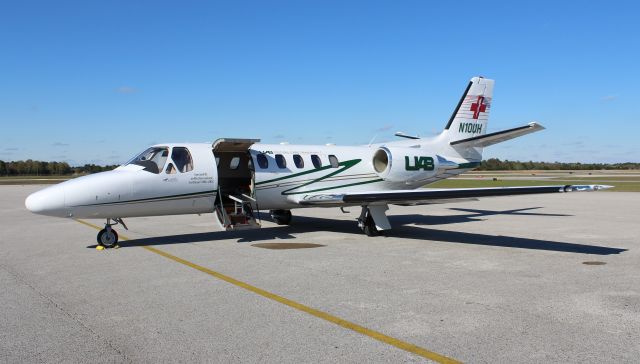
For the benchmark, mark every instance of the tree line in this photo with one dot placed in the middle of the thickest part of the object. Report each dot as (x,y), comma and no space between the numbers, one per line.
(495,164)
(40,168)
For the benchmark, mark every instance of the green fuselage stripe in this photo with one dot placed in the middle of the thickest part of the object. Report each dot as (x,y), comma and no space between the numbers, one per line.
(468,165)
(345,166)
(329,188)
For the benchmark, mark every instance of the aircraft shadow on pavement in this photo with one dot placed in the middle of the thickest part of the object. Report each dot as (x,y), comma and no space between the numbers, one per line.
(403,227)
(473,215)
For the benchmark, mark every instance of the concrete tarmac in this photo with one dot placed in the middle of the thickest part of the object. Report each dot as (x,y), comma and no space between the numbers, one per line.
(496,280)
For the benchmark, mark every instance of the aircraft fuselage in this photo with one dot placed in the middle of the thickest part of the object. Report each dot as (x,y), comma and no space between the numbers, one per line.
(290,173)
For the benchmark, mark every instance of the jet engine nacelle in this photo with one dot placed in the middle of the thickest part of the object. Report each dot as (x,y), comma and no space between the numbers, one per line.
(401,164)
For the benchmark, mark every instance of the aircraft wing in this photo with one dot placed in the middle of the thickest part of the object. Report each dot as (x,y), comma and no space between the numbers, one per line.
(434,195)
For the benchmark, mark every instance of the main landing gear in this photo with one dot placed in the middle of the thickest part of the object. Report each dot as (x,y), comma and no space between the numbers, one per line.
(281,217)
(366,223)
(373,221)
(107,237)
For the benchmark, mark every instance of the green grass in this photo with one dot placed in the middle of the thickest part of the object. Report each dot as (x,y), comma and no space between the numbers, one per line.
(34,177)
(633,186)
(630,184)
(558,177)
(469,183)
(32,180)
(595,179)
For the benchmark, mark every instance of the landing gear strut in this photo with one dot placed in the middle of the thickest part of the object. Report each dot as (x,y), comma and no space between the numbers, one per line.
(373,220)
(281,217)
(108,237)
(366,223)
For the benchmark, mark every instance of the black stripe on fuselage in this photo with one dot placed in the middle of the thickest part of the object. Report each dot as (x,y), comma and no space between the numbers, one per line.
(155,199)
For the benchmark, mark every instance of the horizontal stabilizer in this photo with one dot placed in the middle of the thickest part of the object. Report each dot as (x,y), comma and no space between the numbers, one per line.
(486,140)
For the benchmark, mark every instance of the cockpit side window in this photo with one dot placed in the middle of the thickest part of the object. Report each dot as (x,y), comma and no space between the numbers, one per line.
(152,159)
(182,158)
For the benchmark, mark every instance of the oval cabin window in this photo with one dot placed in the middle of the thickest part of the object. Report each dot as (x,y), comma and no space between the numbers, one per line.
(262,161)
(333,160)
(280,161)
(316,161)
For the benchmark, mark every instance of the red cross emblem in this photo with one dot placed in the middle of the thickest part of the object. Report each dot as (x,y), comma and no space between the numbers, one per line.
(478,107)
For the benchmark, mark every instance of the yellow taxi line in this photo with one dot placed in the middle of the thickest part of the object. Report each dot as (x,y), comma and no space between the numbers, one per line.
(298,306)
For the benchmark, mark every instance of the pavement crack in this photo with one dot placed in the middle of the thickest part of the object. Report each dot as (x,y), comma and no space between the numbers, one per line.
(60,308)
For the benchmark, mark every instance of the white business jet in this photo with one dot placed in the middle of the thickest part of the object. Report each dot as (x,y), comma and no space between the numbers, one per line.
(235,177)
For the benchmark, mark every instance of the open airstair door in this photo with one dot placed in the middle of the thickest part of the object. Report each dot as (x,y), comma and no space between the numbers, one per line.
(235,201)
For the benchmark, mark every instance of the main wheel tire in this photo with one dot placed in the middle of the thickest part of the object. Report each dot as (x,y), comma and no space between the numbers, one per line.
(107,238)
(370,227)
(281,217)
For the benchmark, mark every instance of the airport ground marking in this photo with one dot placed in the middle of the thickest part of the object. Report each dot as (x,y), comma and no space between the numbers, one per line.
(414,349)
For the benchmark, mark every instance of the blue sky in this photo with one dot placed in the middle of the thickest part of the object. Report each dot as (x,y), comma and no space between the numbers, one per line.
(98,81)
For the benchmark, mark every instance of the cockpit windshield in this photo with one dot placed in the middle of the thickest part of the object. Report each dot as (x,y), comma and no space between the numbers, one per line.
(152,159)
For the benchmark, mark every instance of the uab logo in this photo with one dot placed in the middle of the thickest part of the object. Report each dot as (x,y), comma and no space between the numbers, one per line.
(424,163)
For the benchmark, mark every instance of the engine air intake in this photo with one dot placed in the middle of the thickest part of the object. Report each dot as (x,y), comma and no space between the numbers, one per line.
(381,160)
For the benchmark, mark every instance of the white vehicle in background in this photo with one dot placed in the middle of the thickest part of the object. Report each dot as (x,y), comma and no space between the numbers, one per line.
(235,177)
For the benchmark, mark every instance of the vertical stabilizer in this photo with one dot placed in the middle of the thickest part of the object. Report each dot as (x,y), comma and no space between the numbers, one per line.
(469,119)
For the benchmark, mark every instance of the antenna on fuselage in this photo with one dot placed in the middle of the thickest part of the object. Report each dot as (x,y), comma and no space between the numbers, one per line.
(403,135)
(372,139)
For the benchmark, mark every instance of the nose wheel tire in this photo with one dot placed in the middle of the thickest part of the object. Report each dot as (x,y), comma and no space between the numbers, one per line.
(107,238)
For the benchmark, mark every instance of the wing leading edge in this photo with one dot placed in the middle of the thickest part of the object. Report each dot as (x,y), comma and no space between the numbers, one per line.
(426,196)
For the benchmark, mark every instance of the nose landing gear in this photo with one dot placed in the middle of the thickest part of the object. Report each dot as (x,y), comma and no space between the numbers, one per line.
(107,237)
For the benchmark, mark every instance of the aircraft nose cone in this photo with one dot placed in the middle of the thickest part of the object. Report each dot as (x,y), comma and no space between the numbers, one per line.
(49,201)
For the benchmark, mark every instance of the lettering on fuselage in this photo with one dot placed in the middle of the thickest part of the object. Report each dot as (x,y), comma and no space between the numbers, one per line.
(424,163)
(200,178)
(473,128)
